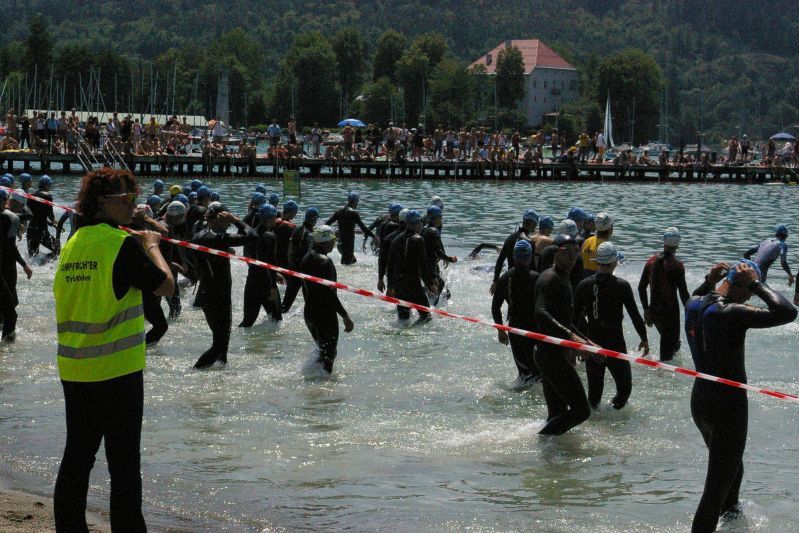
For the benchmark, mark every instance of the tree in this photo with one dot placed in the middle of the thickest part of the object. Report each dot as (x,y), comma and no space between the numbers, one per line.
(451,94)
(308,76)
(350,49)
(433,45)
(374,106)
(389,50)
(413,69)
(510,77)
(39,44)
(634,81)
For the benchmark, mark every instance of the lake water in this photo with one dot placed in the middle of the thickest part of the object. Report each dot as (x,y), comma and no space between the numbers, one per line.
(418,429)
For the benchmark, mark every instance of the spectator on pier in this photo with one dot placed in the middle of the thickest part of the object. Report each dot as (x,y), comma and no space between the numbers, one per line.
(316,139)
(744,145)
(136,131)
(24,130)
(273,131)
(152,129)
(601,147)
(11,124)
(52,130)
(732,150)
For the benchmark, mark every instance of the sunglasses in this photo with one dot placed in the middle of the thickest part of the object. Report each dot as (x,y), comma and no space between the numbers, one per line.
(129,196)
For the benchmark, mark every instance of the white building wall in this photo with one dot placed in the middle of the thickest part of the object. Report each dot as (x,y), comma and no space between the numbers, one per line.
(547,89)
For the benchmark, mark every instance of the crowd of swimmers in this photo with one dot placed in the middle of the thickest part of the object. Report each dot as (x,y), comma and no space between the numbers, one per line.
(555,278)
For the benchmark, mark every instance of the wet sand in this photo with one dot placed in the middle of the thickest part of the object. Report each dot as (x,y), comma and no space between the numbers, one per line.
(24,513)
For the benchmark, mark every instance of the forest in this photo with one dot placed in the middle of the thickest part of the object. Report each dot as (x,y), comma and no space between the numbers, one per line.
(673,68)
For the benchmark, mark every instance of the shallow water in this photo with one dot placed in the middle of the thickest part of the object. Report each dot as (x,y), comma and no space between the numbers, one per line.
(418,428)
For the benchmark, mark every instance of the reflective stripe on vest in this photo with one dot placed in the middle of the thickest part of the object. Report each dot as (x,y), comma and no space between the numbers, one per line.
(99,337)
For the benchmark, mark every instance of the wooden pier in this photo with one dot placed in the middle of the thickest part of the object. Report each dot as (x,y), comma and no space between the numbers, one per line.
(265,167)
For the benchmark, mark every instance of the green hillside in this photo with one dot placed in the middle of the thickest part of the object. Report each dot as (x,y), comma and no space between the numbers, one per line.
(736,65)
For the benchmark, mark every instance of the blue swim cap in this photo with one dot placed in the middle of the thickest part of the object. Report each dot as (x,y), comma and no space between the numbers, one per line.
(192,195)
(274,199)
(311,213)
(522,250)
(531,214)
(154,199)
(5,181)
(258,198)
(182,198)
(3,194)
(158,184)
(353,196)
(782,229)
(45,181)
(25,178)
(577,214)
(260,188)
(186,190)
(195,184)
(413,217)
(394,208)
(215,196)
(291,207)
(733,274)
(433,211)
(546,222)
(203,192)
(267,211)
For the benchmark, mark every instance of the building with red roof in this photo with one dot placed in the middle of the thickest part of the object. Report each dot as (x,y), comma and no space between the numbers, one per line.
(550,80)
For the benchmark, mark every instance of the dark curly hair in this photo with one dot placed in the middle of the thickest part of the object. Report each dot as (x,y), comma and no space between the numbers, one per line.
(99,183)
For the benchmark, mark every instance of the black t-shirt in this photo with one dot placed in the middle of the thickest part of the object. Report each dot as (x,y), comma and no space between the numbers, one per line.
(132,268)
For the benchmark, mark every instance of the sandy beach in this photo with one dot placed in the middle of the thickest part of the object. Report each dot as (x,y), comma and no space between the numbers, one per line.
(25,513)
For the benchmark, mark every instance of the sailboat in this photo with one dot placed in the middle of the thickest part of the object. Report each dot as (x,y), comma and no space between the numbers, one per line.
(607,132)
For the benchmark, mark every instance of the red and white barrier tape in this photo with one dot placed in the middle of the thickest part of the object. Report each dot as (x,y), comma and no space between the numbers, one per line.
(530,334)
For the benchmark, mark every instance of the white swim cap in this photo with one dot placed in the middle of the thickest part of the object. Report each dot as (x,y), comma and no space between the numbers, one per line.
(603,221)
(567,227)
(323,234)
(671,237)
(176,209)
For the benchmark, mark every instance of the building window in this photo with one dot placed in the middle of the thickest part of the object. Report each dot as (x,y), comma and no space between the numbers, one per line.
(573,85)
(562,84)
(535,99)
(545,84)
(535,83)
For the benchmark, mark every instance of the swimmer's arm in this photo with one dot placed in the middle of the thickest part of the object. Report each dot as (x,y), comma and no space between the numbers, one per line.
(503,254)
(578,318)
(682,287)
(333,218)
(780,311)
(644,283)
(635,315)
(544,318)
(751,251)
(331,275)
(784,260)
(498,300)
(366,231)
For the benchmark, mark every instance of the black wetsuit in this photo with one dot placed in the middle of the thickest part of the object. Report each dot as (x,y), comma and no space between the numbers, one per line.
(665,275)
(283,230)
(387,228)
(377,227)
(506,253)
(435,253)
(407,265)
(260,281)
(321,306)
(598,312)
(547,259)
(567,404)
(716,331)
(517,288)
(215,286)
(347,218)
(9,258)
(385,249)
(38,232)
(299,245)
(173,253)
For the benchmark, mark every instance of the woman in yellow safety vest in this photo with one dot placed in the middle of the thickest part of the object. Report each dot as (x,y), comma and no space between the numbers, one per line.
(98,293)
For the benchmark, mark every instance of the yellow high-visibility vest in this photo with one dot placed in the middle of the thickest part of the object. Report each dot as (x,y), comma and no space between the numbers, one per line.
(99,337)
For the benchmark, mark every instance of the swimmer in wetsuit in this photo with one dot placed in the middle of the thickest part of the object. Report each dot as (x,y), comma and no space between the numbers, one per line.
(475,254)
(599,302)
(547,257)
(260,288)
(769,250)
(299,245)
(383,225)
(567,404)
(322,303)
(716,322)
(347,218)
(529,222)
(9,259)
(215,279)
(385,248)
(604,230)
(435,249)
(408,267)
(664,275)
(43,216)
(517,288)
